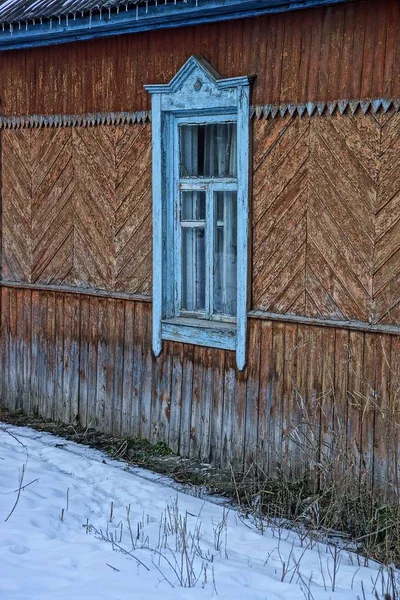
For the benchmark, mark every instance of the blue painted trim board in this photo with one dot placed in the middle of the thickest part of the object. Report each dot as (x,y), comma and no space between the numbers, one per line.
(197,94)
(63,30)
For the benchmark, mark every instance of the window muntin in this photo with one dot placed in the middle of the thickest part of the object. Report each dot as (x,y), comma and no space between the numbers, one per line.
(207,232)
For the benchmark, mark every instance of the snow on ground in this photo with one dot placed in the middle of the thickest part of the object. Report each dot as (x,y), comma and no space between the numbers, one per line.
(49,548)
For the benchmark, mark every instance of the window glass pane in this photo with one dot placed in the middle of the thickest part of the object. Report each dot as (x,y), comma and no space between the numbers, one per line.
(193,268)
(208,150)
(193,206)
(225,275)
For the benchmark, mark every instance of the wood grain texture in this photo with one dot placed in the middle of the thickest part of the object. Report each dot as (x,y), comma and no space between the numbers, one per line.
(310,396)
(77,207)
(343,51)
(326,217)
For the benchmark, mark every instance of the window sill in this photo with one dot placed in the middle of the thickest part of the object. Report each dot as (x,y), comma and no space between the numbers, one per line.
(213,334)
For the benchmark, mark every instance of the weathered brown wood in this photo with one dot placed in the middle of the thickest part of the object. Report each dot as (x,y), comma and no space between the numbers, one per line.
(326,223)
(297,56)
(316,402)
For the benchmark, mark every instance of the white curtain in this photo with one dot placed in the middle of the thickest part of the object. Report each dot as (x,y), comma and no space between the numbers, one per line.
(210,151)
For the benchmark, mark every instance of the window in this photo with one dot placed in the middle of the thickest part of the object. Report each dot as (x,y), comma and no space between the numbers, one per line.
(200,208)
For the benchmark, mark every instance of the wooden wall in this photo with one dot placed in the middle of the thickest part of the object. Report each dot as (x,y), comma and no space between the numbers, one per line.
(309,395)
(345,51)
(77,207)
(326,217)
(325,206)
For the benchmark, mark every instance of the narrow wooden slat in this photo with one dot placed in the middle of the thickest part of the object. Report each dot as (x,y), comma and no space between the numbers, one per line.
(27,348)
(119,362)
(50,356)
(187,398)
(147,376)
(127,340)
(382,424)
(176,397)
(84,333)
(266,395)
(34,353)
(60,408)
(217,407)
(197,398)
(206,405)
(341,385)
(369,400)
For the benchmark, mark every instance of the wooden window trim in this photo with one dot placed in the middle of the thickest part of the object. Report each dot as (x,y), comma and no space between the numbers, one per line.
(197,93)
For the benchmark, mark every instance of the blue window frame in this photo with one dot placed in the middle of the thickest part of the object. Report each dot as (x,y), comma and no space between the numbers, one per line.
(201,153)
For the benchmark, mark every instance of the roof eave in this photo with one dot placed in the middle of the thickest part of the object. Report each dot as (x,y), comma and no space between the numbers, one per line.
(64,30)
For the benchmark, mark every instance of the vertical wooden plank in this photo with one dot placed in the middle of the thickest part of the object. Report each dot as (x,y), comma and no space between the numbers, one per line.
(176,397)
(5,358)
(291,405)
(217,407)
(105,368)
(147,376)
(118,359)
(328,403)
(42,364)
(92,362)
(314,64)
(314,391)
(349,350)
(335,64)
(27,343)
(278,358)
(197,396)
(368,411)
(230,402)
(50,356)
(138,413)
(291,58)
(252,397)
(187,398)
(382,425)
(266,395)
(393,447)
(19,347)
(156,394)
(35,353)
(12,351)
(206,403)
(129,343)
(84,323)
(165,393)
(60,410)
(303,365)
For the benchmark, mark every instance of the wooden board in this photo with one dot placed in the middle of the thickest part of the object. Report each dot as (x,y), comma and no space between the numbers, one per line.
(314,402)
(315,54)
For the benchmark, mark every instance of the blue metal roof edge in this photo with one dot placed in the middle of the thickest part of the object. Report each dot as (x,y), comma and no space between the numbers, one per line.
(63,30)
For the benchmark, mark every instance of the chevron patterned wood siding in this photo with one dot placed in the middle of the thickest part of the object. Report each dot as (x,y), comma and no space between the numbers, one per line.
(326,217)
(77,207)
(343,51)
(326,212)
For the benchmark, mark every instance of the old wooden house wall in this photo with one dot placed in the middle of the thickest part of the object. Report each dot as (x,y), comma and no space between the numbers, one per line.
(345,51)
(76,200)
(76,249)
(310,395)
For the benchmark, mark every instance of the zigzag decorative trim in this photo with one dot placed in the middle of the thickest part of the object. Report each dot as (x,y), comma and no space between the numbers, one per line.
(89,120)
(266,111)
(308,109)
